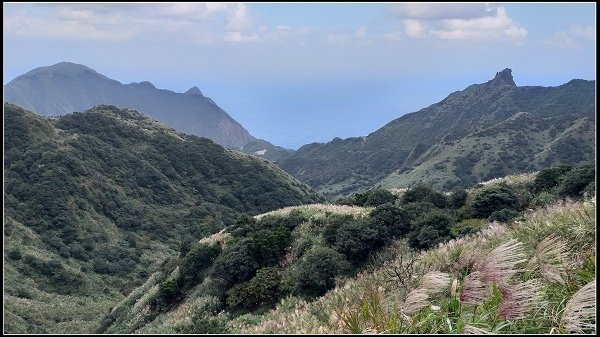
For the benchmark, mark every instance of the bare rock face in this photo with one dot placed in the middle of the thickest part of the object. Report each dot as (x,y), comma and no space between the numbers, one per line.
(503,77)
(194,91)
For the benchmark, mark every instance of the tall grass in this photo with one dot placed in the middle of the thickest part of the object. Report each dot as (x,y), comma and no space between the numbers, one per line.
(536,275)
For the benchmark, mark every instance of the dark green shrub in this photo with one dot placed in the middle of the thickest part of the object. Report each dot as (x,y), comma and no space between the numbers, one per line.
(167,292)
(494,198)
(590,189)
(361,198)
(315,273)
(416,194)
(503,215)
(390,221)
(416,210)
(356,239)
(425,237)
(14,254)
(236,264)
(458,198)
(425,194)
(243,225)
(293,219)
(431,229)
(195,263)
(438,199)
(332,223)
(262,289)
(380,197)
(543,199)
(268,246)
(185,246)
(574,182)
(549,178)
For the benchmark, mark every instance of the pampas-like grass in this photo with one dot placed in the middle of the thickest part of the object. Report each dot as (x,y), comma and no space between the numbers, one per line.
(473,290)
(435,282)
(519,299)
(551,256)
(415,301)
(471,330)
(579,315)
(501,263)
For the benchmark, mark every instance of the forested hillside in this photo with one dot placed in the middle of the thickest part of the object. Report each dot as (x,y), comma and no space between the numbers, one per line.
(95,200)
(483,132)
(229,281)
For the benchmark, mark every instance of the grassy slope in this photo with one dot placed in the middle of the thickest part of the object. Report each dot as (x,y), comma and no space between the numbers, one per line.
(31,306)
(132,313)
(373,301)
(520,134)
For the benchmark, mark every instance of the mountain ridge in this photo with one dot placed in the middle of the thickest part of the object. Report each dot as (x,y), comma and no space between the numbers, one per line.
(66,87)
(352,164)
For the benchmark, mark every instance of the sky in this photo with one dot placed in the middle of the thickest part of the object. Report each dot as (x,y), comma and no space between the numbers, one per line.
(299,73)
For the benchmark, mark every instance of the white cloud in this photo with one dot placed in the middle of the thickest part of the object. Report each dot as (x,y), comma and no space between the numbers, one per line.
(571,37)
(361,32)
(72,25)
(393,36)
(240,37)
(516,32)
(360,37)
(495,26)
(456,21)
(437,11)
(199,21)
(584,32)
(413,29)
(238,18)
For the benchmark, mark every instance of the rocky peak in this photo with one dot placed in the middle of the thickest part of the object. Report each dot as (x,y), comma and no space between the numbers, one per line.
(194,91)
(503,77)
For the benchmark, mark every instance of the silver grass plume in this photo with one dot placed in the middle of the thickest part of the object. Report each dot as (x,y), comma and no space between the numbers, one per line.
(580,312)
(435,282)
(468,257)
(471,330)
(500,264)
(551,255)
(473,290)
(519,299)
(415,301)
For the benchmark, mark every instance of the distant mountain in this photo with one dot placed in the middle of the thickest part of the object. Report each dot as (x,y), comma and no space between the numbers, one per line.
(95,201)
(68,87)
(485,131)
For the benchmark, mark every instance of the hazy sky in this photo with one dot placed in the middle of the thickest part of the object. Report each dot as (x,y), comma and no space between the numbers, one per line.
(300,73)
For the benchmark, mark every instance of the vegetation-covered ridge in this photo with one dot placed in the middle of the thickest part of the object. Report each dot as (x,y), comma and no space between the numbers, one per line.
(228,282)
(66,87)
(536,275)
(95,200)
(485,131)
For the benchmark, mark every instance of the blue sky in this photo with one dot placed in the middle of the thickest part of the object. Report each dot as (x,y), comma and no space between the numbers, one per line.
(299,73)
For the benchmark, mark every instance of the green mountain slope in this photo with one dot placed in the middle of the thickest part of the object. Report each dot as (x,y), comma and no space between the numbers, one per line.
(94,201)
(324,268)
(67,87)
(485,131)
(262,148)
